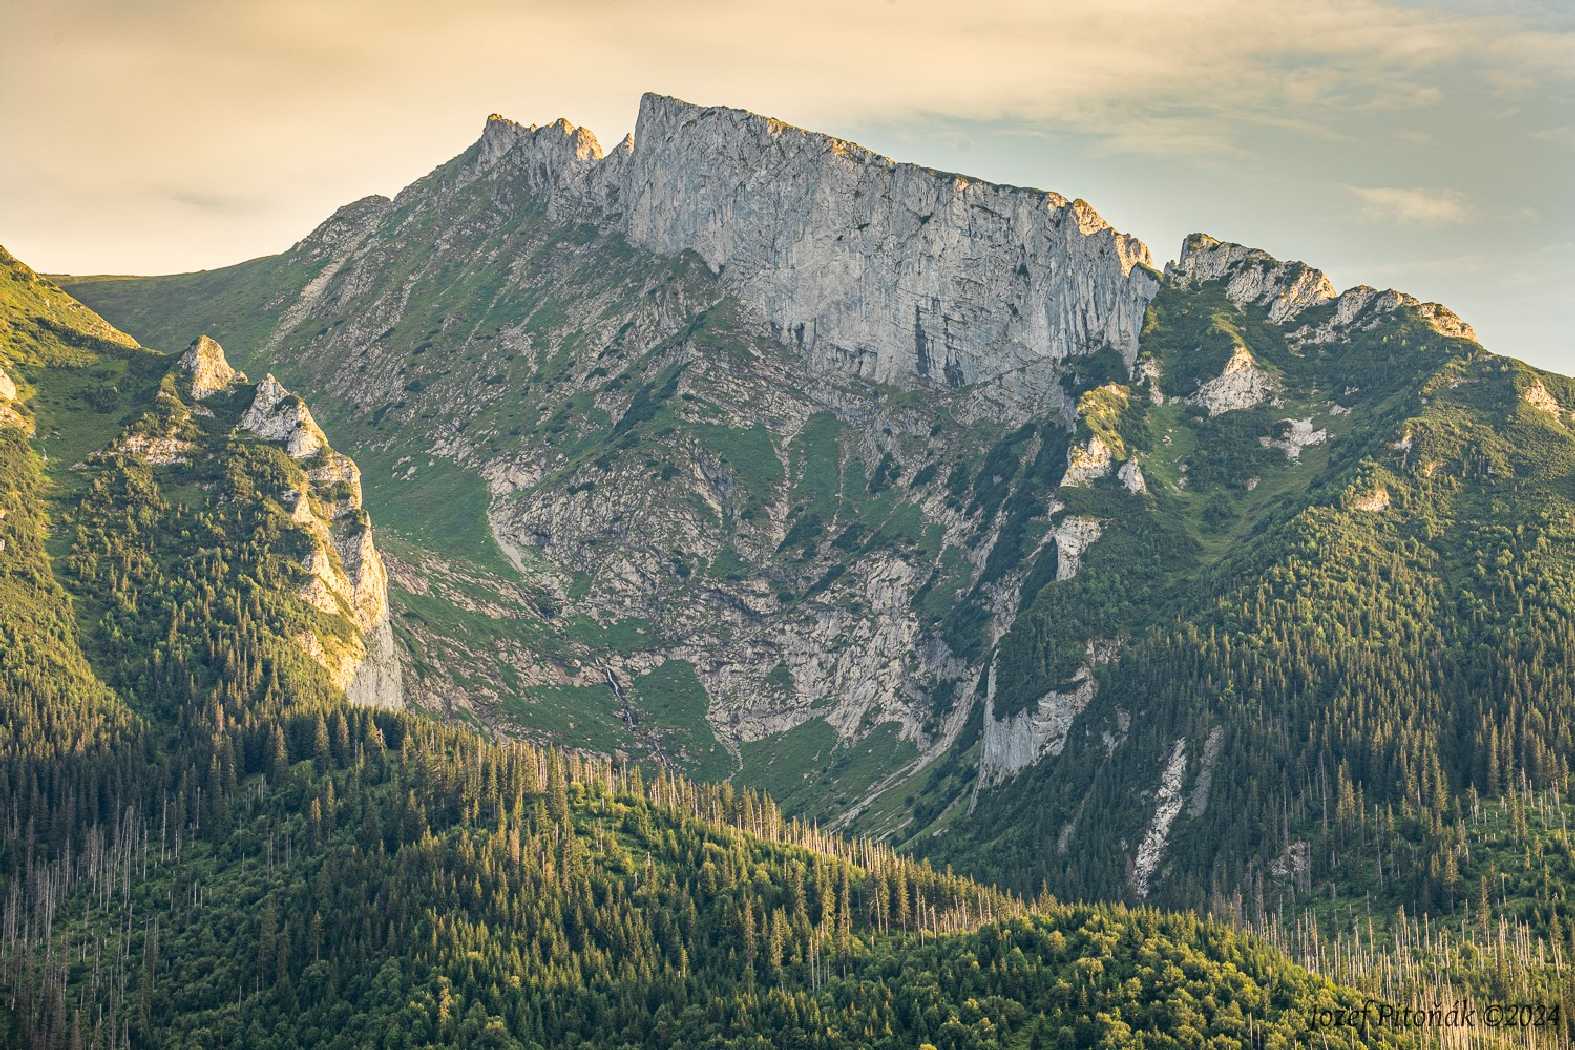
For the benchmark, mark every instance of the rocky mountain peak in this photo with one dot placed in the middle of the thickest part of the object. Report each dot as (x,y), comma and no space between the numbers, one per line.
(1290,288)
(1254,276)
(554,154)
(204,364)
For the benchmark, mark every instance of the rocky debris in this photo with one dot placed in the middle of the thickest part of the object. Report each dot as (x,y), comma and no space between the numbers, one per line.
(1087,463)
(208,371)
(1073,535)
(1198,802)
(1294,863)
(1131,477)
(1148,373)
(158,450)
(1242,384)
(278,415)
(1167,804)
(1372,502)
(1536,396)
(1295,435)
(1254,276)
(7,387)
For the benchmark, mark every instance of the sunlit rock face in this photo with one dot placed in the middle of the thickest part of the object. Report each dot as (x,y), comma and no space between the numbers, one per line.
(345,572)
(1253,275)
(205,365)
(896,272)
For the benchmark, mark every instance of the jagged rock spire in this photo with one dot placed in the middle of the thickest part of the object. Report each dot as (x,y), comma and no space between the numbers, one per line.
(207,368)
(1255,276)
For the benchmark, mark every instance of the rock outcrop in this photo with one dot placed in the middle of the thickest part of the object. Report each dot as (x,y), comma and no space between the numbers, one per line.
(1536,396)
(1131,477)
(1293,436)
(9,416)
(278,415)
(207,370)
(345,572)
(1073,535)
(1372,502)
(1253,276)
(1242,384)
(1168,799)
(1012,744)
(1289,289)
(1087,463)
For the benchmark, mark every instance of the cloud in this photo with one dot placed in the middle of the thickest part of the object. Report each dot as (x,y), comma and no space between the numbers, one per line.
(1411,204)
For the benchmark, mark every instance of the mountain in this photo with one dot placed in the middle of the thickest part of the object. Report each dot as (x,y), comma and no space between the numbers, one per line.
(739,551)
(220,827)
(931,507)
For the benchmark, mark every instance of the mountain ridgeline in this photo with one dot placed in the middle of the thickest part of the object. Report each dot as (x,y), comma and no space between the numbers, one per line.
(220,827)
(932,508)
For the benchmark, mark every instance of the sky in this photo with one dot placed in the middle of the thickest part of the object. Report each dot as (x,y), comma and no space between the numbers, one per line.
(1427,145)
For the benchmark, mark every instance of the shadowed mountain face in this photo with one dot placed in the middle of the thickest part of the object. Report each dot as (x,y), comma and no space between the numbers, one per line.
(927,504)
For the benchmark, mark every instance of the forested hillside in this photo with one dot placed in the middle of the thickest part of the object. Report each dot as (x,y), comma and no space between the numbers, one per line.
(1350,644)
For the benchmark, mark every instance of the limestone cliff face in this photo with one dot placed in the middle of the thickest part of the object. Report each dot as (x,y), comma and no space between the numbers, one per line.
(896,272)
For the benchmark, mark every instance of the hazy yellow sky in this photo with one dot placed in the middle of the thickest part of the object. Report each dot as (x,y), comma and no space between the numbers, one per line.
(1429,146)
